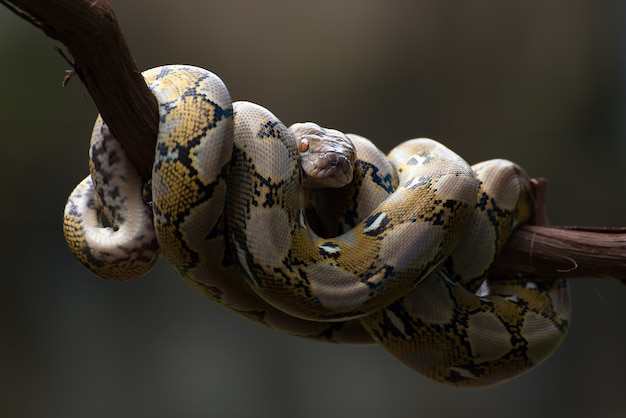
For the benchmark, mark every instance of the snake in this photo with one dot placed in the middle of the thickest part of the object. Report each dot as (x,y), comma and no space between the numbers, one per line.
(319,234)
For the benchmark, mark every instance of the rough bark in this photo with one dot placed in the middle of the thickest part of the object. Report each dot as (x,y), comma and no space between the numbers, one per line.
(101,59)
(563,252)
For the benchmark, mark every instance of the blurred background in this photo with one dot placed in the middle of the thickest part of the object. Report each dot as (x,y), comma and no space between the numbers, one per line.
(540,83)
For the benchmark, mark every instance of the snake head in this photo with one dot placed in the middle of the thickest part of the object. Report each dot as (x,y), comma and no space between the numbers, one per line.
(327,155)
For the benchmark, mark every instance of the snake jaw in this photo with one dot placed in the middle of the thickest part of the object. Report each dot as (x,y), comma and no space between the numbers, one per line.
(327,170)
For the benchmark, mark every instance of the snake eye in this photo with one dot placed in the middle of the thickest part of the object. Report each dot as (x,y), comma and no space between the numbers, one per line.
(304,145)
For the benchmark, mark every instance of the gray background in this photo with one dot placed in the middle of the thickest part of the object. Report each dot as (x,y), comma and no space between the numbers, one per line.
(541,83)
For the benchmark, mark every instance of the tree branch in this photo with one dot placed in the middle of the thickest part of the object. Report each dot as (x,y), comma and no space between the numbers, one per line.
(563,252)
(104,64)
(546,252)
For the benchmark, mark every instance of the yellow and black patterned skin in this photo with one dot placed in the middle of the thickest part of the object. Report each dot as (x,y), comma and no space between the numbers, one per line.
(397,256)
(458,328)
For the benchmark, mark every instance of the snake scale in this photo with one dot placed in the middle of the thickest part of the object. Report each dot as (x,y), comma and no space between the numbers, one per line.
(324,239)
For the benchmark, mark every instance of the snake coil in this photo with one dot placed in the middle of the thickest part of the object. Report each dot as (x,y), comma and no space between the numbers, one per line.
(398,256)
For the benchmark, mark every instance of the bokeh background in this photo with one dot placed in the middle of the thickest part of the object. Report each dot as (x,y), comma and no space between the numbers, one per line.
(541,83)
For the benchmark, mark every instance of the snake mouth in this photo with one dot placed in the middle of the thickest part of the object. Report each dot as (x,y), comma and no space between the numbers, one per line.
(328,170)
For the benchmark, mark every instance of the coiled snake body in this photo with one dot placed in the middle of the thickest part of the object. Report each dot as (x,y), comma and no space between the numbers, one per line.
(397,256)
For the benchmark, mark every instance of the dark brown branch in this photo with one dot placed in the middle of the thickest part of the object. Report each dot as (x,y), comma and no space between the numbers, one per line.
(547,252)
(561,252)
(104,64)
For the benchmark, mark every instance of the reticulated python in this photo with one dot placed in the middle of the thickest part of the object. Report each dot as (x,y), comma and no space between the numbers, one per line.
(397,256)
